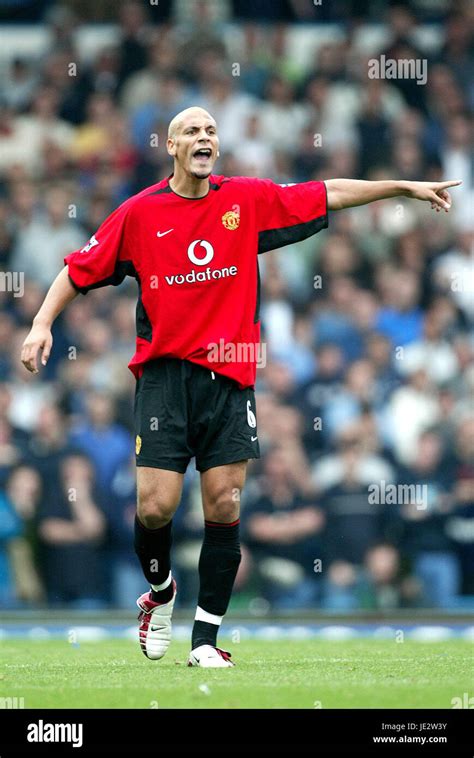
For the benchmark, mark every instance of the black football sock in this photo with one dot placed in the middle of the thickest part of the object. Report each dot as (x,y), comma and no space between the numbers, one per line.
(218,564)
(152,547)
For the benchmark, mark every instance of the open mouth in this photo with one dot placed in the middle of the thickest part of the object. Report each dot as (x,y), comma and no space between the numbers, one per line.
(203,154)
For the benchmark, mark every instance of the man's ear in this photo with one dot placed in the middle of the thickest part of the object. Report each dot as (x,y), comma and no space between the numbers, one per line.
(171,147)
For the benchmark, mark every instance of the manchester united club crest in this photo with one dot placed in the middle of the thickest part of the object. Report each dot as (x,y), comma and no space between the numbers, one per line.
(231,220)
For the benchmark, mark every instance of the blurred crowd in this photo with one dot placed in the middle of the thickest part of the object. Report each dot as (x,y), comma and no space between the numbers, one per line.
(369,374)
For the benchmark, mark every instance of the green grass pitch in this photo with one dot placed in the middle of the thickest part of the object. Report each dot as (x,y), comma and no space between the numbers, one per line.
(359,673)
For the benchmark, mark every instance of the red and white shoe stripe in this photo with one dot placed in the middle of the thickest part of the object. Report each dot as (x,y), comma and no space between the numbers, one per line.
(154,631)
(208,656)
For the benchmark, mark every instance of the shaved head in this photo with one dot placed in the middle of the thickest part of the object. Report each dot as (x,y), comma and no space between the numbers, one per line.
(177,122)
(194,146)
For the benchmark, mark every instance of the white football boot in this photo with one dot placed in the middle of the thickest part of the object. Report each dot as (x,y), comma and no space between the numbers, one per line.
(155,625)
(209,657)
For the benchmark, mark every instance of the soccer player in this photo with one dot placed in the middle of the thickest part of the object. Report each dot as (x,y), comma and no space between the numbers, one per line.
(192,243)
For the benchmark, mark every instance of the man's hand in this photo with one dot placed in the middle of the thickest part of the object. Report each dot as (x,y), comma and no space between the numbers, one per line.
(59,295)
(39,338)
(436,192)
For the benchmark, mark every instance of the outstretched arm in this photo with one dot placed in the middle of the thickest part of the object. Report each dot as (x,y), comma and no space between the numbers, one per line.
(347,193)
(59,295)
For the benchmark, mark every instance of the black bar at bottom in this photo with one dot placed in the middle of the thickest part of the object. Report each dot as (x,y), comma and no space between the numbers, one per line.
(217,732)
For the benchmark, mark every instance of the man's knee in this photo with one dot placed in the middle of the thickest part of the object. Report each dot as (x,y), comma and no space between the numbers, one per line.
(223,505)
(153,511)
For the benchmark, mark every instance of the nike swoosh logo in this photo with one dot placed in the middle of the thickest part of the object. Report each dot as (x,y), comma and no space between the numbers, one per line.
(252,439)
(162,234)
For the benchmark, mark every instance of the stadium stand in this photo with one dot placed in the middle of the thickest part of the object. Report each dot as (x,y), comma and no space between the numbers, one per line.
(369,373)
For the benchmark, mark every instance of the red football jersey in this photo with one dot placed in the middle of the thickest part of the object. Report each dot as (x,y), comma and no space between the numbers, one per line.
(196,265)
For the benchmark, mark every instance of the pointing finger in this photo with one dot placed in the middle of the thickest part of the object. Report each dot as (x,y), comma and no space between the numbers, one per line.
(451,183)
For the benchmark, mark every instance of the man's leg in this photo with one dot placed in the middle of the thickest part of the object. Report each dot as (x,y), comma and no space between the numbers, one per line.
(221,487)
(158,496)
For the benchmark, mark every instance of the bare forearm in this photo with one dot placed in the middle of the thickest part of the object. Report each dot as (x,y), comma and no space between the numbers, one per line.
(60,294)
(348,193)
(88,517)
(40,338)
(60,532)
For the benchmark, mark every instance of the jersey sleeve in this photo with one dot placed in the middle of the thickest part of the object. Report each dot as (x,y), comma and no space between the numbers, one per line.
(288,213)
(104,259)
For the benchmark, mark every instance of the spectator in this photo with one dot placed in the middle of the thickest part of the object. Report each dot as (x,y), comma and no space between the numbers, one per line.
(41,246)
(424,538)
(382,586)
(353,522)
(413,409)
(433,352)
(401,318)
(379,352)
(10,528)
(19,84)
(366,328)
(231,108)
(141,88)
(283,530)
(24,491)
(43,120)
(333,321)
(281,115)
(339,591)
(132,50)
(126,575)
(107,444)
(314,394)
(72,529)
(453,273)
(460,523)
(357,395)
(367,465)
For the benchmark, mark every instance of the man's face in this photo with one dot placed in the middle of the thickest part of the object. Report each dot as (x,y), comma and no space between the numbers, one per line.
(195,145)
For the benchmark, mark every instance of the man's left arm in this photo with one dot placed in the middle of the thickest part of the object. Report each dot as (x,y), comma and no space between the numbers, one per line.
(348,193)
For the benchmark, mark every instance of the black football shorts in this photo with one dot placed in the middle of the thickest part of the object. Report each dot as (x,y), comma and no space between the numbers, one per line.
(183,410)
